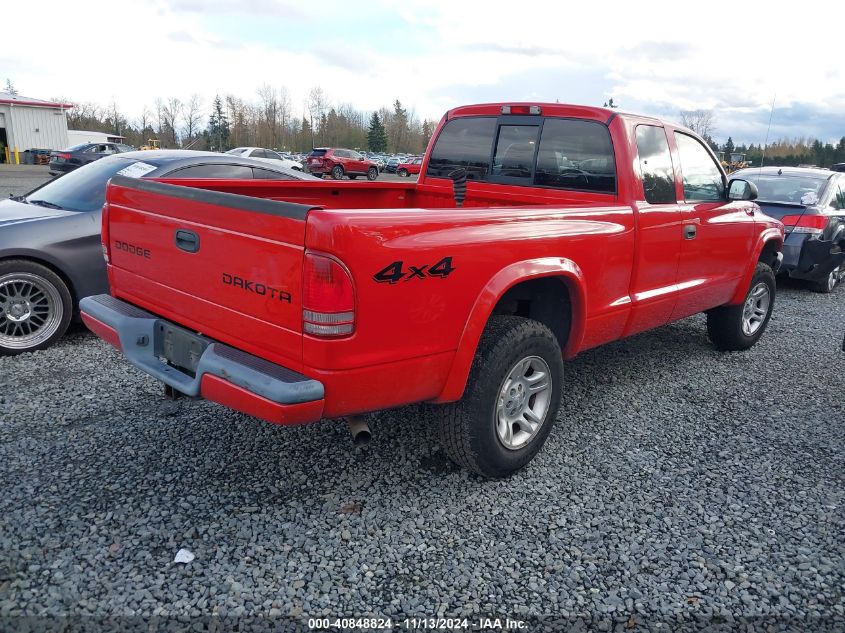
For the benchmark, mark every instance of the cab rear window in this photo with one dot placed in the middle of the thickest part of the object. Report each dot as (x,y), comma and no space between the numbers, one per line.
(464,142)
(559,153)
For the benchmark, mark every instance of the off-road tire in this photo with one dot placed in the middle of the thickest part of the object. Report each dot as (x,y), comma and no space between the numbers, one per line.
(61,308)
(468,428)
(724,324)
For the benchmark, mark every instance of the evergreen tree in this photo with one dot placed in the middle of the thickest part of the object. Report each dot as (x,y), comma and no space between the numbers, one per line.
(728,148)
(399,131)
(376,136)
(610,104)
(218,132)
(427,131)
(307,135)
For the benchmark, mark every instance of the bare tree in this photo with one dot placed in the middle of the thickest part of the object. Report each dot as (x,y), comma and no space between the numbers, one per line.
(115,118)
(191,116)
(702,122)
(317,106)
(170,111)
(269,112)
(145,121)
(284,115)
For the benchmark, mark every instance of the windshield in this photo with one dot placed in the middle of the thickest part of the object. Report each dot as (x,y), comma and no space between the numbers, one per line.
(81,190)
(787,189)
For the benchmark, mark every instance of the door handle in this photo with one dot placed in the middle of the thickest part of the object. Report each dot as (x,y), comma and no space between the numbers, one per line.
(689,231)
(187,241)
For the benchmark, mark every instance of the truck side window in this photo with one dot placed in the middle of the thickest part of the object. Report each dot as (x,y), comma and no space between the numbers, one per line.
(464,142)
(576,154)
(702,178)
(656,165)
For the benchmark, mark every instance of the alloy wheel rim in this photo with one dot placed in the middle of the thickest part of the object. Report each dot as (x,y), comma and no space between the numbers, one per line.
(523,402)
(756,308)
(30,310)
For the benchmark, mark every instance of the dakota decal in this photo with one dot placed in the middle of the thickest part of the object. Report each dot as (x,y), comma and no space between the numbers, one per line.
(255,287)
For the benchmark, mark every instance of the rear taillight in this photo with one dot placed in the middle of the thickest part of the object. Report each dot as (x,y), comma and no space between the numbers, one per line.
(104,232)
(328,297)
(813,224)
(63,155)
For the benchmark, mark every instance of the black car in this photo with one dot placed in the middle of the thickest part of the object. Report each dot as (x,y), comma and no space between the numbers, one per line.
(74,157)
(50,251)
(811,204)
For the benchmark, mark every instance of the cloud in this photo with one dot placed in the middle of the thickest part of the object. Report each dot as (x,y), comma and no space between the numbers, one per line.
(266,8)
(654,57)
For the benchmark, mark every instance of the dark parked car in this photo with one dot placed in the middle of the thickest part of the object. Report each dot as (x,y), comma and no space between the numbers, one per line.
(811,204)
(50,251)
(392,164)
(339,163)
(75,157)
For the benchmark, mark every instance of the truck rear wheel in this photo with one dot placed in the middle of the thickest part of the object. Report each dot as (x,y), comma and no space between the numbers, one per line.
(511,399)
(739,327)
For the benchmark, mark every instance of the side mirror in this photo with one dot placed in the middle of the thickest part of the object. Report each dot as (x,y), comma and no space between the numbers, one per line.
(739,189)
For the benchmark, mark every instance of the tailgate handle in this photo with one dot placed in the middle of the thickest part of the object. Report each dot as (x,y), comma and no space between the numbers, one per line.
(188,241)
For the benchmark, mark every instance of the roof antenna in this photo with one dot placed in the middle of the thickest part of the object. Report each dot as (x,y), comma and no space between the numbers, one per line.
(763,156)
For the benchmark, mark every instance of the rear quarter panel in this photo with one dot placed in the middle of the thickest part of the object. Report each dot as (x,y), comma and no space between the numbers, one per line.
(422,315)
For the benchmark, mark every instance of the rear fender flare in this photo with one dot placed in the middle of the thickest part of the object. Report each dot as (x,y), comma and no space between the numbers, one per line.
(515,273)
(767,236)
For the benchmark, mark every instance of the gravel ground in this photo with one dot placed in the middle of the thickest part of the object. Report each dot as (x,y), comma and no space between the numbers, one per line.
(17,180)
(679,484)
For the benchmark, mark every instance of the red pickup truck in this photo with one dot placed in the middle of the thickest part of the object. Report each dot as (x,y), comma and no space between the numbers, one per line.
(535,231)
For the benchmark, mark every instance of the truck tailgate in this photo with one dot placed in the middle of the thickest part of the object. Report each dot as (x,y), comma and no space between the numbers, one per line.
(228,265)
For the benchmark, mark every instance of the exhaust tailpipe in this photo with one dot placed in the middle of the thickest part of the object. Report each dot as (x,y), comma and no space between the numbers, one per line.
(359,429)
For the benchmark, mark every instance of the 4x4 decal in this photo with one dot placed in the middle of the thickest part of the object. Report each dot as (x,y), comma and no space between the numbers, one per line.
(396,272)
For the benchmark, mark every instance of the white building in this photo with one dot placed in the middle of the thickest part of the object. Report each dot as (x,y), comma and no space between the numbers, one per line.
(32,123)
(75,137)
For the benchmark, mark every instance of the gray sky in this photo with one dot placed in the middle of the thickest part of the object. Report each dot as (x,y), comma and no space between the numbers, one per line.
(652,57)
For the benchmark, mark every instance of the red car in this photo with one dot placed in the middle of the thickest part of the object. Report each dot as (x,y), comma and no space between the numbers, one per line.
(411,167)
(339,163)
(535,232)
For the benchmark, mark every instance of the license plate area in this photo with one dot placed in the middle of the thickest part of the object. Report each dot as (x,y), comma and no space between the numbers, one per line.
(178,347)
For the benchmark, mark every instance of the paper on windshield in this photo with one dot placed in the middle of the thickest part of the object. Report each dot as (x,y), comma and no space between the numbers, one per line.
(136,170)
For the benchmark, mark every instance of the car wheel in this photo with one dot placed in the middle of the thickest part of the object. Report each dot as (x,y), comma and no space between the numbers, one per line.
(35,307)
(402,172)
(372,173)
(511,399)
(827,285)
(739,327)
(337,172)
